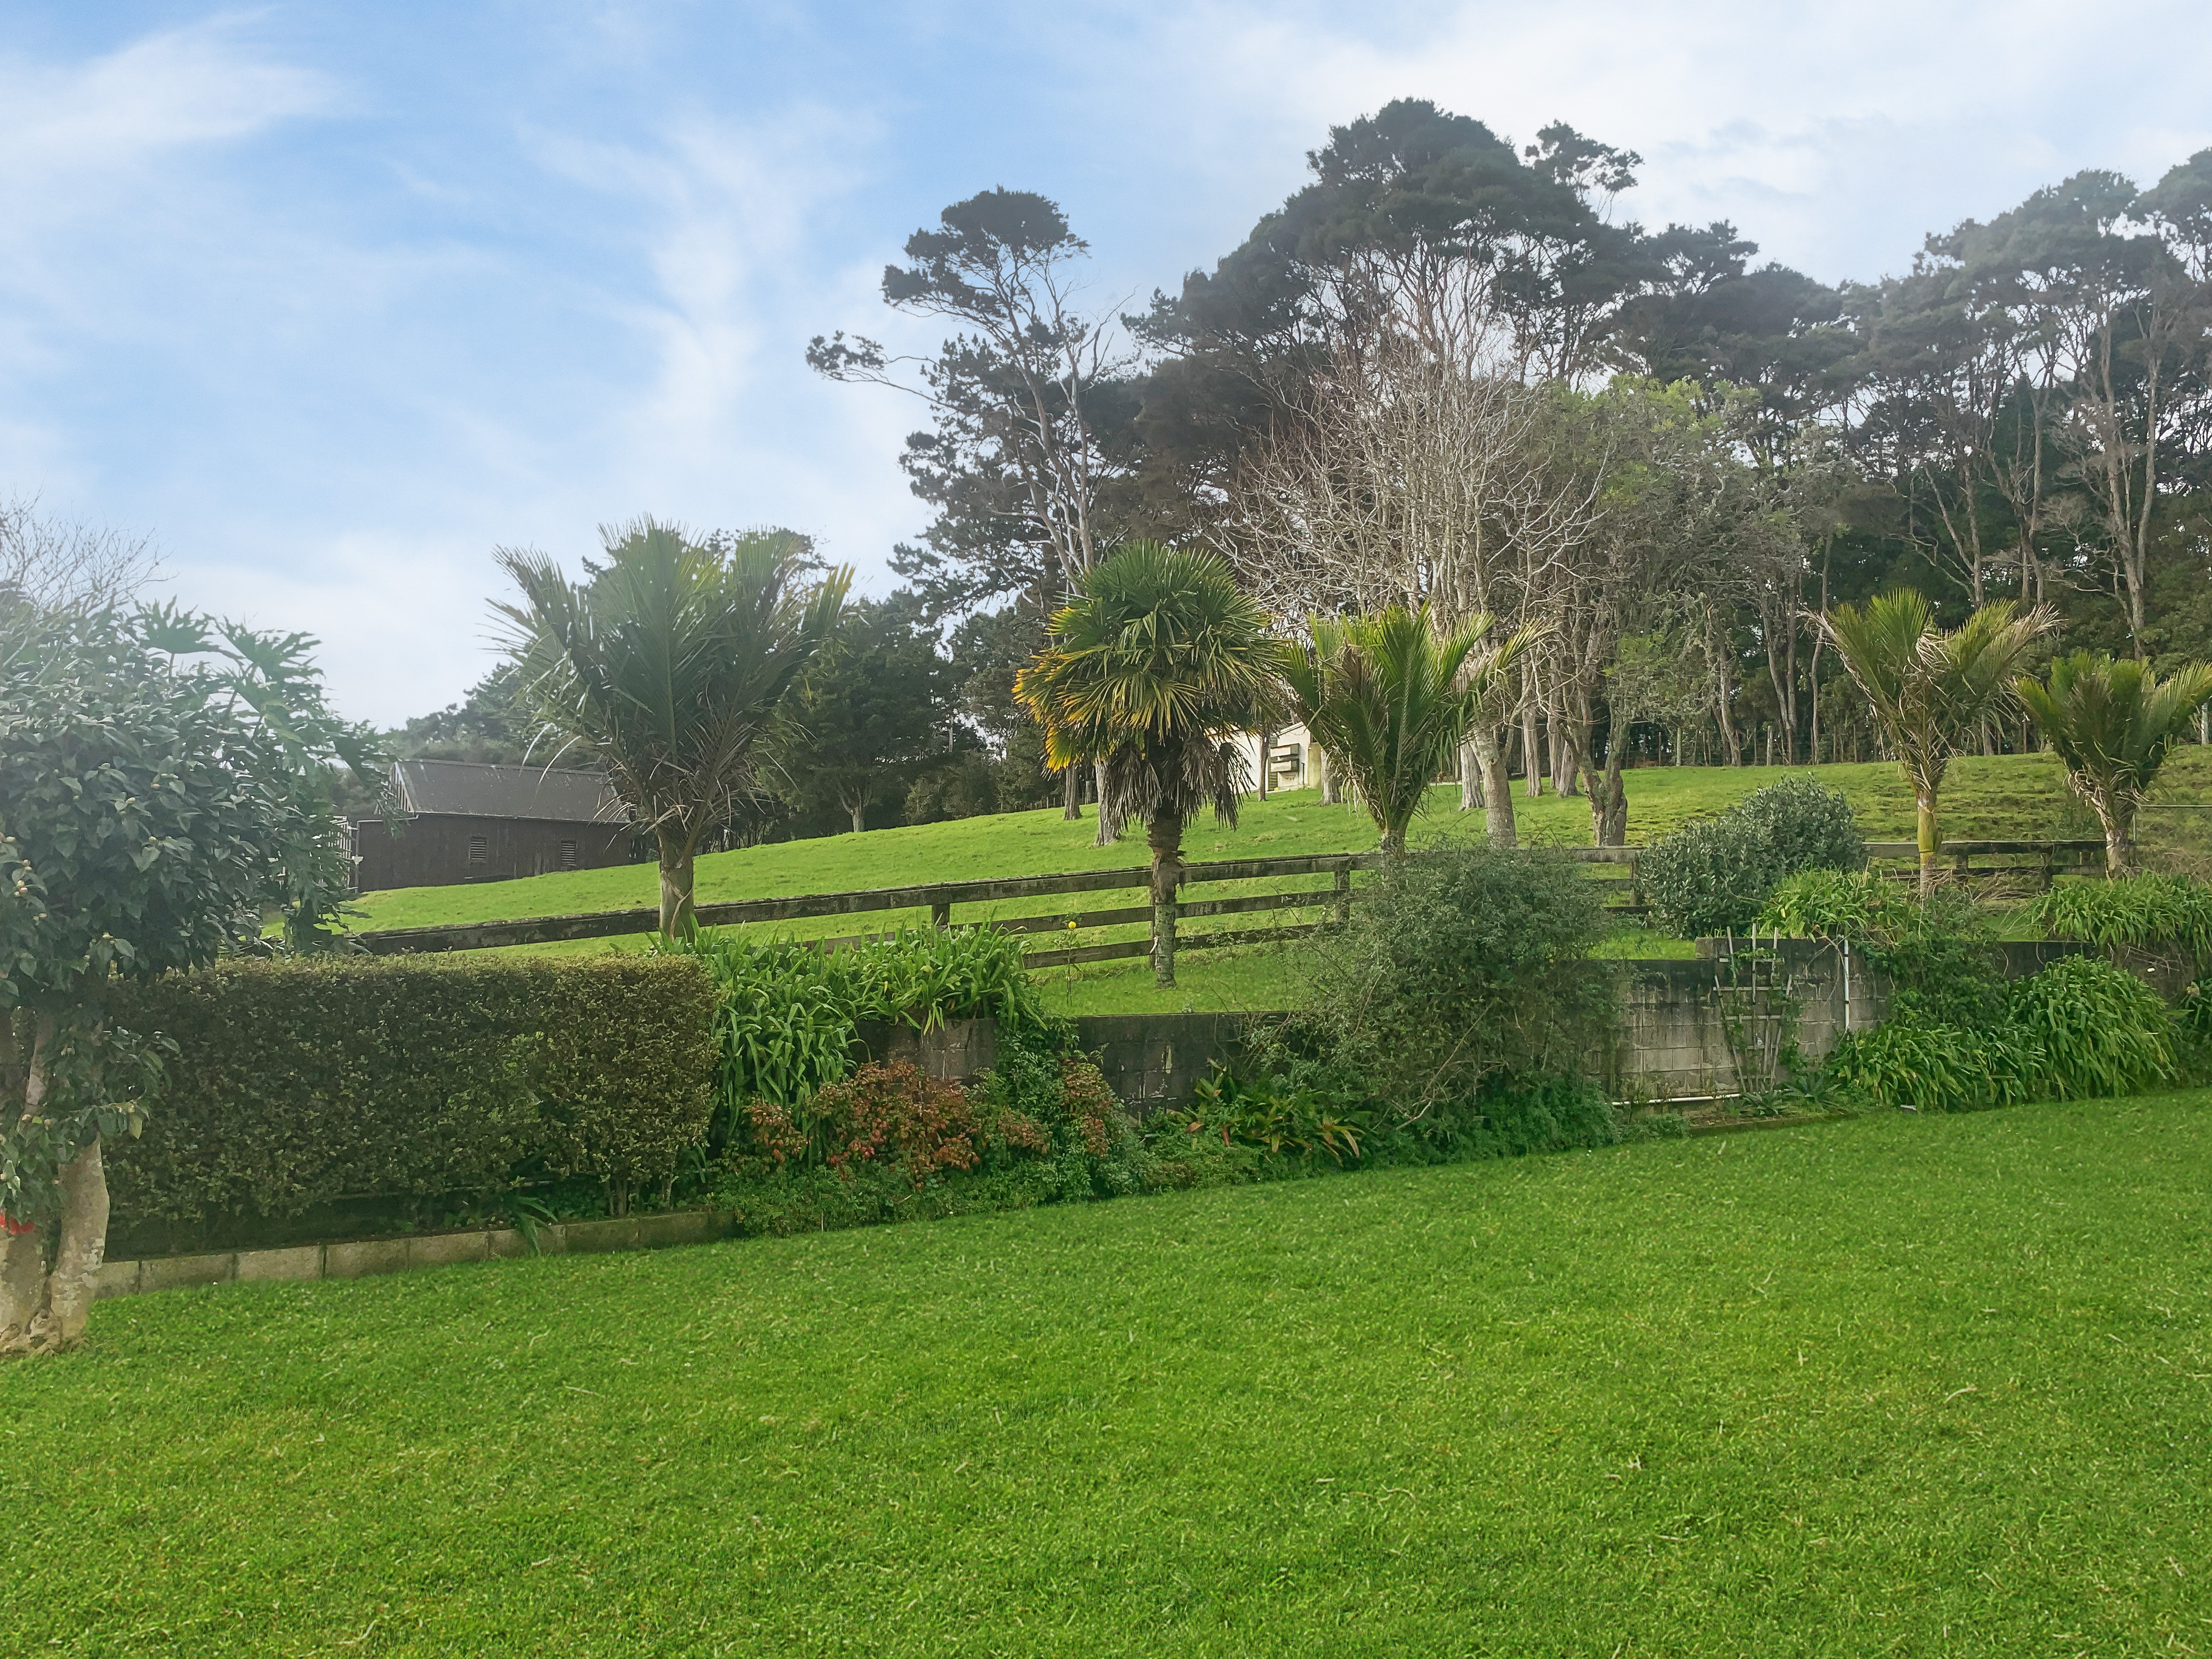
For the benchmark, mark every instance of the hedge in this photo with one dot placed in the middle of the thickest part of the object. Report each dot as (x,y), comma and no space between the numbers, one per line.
(301,1085)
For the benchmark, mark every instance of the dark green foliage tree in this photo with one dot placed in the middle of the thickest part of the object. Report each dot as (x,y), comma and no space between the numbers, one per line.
(149,813)
(873,710)
(1025,400)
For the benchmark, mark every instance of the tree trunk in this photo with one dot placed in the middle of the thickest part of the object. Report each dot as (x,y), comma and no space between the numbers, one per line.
(1098,777)
(1266,756)
(1532,758)
(82,1247)
(1497,788)
(1166,839)
(1071,795)
(1608,792)
(860,816)
(676,909)
(44,1309)
(1931,842)
(1331,780)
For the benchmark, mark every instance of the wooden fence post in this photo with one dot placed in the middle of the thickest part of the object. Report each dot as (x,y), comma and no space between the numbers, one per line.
(1341,884)
(940,916)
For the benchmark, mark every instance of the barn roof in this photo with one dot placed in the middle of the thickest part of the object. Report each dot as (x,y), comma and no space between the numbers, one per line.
(470,789)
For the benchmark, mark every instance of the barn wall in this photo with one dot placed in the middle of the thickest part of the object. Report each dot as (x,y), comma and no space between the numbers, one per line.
(435,850)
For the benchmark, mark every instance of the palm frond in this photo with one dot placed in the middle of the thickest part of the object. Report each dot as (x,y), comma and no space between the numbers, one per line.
(1154,665)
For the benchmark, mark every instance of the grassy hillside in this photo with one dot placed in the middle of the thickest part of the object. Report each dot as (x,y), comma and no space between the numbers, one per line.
(2008,797)
(1898,1386)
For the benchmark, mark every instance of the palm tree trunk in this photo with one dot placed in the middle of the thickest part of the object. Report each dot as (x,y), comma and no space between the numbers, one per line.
(1165,836)
(676,909)
(1098,773)
(1497,788)
(2119,838)
(1931,841)
(1071,795)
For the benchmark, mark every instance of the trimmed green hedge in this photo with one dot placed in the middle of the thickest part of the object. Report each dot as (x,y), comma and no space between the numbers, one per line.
(301,1085)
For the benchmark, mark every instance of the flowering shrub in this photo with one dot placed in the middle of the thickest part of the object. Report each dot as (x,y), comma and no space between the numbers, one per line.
(894,1117)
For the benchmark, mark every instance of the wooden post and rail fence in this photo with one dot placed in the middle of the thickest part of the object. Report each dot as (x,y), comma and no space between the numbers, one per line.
(2033,862)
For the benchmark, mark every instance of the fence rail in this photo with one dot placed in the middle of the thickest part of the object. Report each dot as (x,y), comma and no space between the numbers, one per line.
(938,898)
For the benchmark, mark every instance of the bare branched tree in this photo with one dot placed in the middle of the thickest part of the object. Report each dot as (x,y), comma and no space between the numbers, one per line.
(55,564)
(1407,478)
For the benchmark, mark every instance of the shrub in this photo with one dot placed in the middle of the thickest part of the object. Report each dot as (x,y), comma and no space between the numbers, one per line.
(886,1143)
(788,1014)
(1093,1145)
(1854,904)
(1459,965)
(2137,910)
(894,1116)
(2101,1030)
(1712,875)
(1941,966)
(304,1082)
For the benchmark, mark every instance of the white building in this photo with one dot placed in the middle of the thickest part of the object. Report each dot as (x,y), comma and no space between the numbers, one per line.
(1292,762)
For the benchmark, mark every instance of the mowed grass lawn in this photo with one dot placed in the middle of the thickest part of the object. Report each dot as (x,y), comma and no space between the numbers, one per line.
(1935,1386)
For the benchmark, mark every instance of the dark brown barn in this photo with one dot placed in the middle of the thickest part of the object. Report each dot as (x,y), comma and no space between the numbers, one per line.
(465,822)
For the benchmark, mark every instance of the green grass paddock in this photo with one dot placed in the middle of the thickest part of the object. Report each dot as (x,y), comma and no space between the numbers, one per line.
(2009,797)
(1910,1386)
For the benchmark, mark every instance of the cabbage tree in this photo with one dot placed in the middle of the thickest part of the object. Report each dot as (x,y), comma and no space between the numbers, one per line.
(2113,724)
(1157,661)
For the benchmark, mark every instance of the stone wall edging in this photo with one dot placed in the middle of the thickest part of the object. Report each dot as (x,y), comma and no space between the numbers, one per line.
(363,1258)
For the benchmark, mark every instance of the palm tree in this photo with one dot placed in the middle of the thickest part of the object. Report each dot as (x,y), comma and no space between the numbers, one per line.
(1157,659)
(2112,723)
(668,664)
(1392,700)
(1931,688)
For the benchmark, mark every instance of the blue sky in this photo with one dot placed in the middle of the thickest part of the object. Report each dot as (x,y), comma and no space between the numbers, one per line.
(333,299)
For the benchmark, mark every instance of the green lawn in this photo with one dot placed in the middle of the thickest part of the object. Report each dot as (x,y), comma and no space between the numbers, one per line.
(1910,1386)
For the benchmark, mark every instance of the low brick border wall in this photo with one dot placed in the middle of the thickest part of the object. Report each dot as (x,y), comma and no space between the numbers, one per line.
(360,1258)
